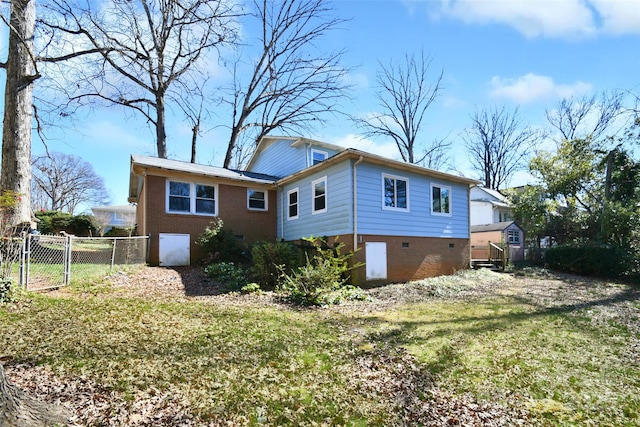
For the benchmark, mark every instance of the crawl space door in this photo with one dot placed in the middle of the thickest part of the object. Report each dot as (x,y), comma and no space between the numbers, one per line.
(376,260)
(174,249)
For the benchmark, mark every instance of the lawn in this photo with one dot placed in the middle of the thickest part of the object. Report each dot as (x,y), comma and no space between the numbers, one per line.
(479,348)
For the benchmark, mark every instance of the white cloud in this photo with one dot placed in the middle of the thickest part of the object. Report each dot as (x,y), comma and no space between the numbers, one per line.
(550,18)
(618,16)
(532,87)
(357,80)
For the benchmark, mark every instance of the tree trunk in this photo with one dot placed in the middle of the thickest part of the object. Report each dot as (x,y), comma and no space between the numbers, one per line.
(17,409)
(161,134)
(18,104)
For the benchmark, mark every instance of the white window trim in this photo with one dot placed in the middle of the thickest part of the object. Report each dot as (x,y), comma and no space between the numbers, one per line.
(266,200)
(511,234)
(293,190)
(395,208)
(324,153)
(313,196)
(192,198)
(440,186)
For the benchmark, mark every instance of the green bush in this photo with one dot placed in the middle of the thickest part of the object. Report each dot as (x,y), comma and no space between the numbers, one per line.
(590,259)
(251,288)
(231,276)
(322,280)
(53,222)
(269,258)
(220,244)
(7,293)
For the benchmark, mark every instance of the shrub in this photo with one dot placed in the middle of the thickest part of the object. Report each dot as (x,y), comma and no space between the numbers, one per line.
(589,259)
(233,277)
(322,279)
(220,244)
(251,288)
(269,258)
(7,293)
(53,222)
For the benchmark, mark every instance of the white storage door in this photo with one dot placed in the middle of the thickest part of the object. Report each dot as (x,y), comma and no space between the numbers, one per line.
(376,260)
(174,249)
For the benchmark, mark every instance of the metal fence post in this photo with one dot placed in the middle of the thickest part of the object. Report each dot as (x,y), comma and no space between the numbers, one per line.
(113,255)
(67,260)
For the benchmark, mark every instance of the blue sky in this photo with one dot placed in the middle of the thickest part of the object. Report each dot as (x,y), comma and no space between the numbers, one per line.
(526,53)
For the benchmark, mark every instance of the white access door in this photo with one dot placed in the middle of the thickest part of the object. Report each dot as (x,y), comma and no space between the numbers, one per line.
(376,260)
(174,249)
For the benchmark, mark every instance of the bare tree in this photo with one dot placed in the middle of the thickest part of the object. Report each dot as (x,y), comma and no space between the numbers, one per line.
(588,116)
(292,83)
(18,98)
(144,49)
(405,94)
(65,181)
(498,145)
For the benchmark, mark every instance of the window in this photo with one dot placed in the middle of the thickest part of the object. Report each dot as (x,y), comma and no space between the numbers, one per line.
(318,156)
(440,200)
(205,199)
(319,195)
(513,236)
(187,197)
(395,192)
(292,197)
(256,200)
(179,196)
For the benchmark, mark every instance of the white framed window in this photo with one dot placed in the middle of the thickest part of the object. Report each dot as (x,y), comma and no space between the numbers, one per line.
(513,236)
(395,192)
(440,200)
(292,203)
(257,200)
(319,188)
(318,156)
(191,198)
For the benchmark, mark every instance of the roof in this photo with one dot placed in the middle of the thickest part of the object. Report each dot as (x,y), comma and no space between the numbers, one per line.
(352,153)
(493,194)
(140,163)
(497,226)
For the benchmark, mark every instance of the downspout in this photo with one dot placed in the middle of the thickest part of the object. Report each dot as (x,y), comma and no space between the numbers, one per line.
(144,205)
(469,223)
(281,237)
(355,204)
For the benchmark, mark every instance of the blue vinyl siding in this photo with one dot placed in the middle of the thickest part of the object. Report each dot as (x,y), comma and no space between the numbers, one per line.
(281,159)
(337,220)
(417,220)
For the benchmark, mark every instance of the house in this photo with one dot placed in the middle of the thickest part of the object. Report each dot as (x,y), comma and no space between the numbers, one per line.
(117,216)
(489,207)
(404,221)
(177,200)
(506,234)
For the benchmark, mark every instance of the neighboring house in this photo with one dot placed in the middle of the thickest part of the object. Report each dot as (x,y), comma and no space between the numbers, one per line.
(507,234)
(405,221)
(489,207)
(118,216)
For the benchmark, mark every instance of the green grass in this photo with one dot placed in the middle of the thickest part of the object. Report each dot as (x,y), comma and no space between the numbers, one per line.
(562,367)
(278,366)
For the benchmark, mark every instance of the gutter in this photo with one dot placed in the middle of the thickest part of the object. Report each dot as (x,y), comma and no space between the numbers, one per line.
(355,203)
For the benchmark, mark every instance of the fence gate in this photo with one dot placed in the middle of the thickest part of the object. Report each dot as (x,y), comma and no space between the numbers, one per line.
(53,261)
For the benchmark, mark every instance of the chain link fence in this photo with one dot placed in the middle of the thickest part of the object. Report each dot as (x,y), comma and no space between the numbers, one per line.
(53,261)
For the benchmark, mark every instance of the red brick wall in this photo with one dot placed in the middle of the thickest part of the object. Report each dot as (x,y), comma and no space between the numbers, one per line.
(232,206)
(425,257)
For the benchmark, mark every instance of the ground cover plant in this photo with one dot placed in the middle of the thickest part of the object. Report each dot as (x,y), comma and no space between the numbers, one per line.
(154,346)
